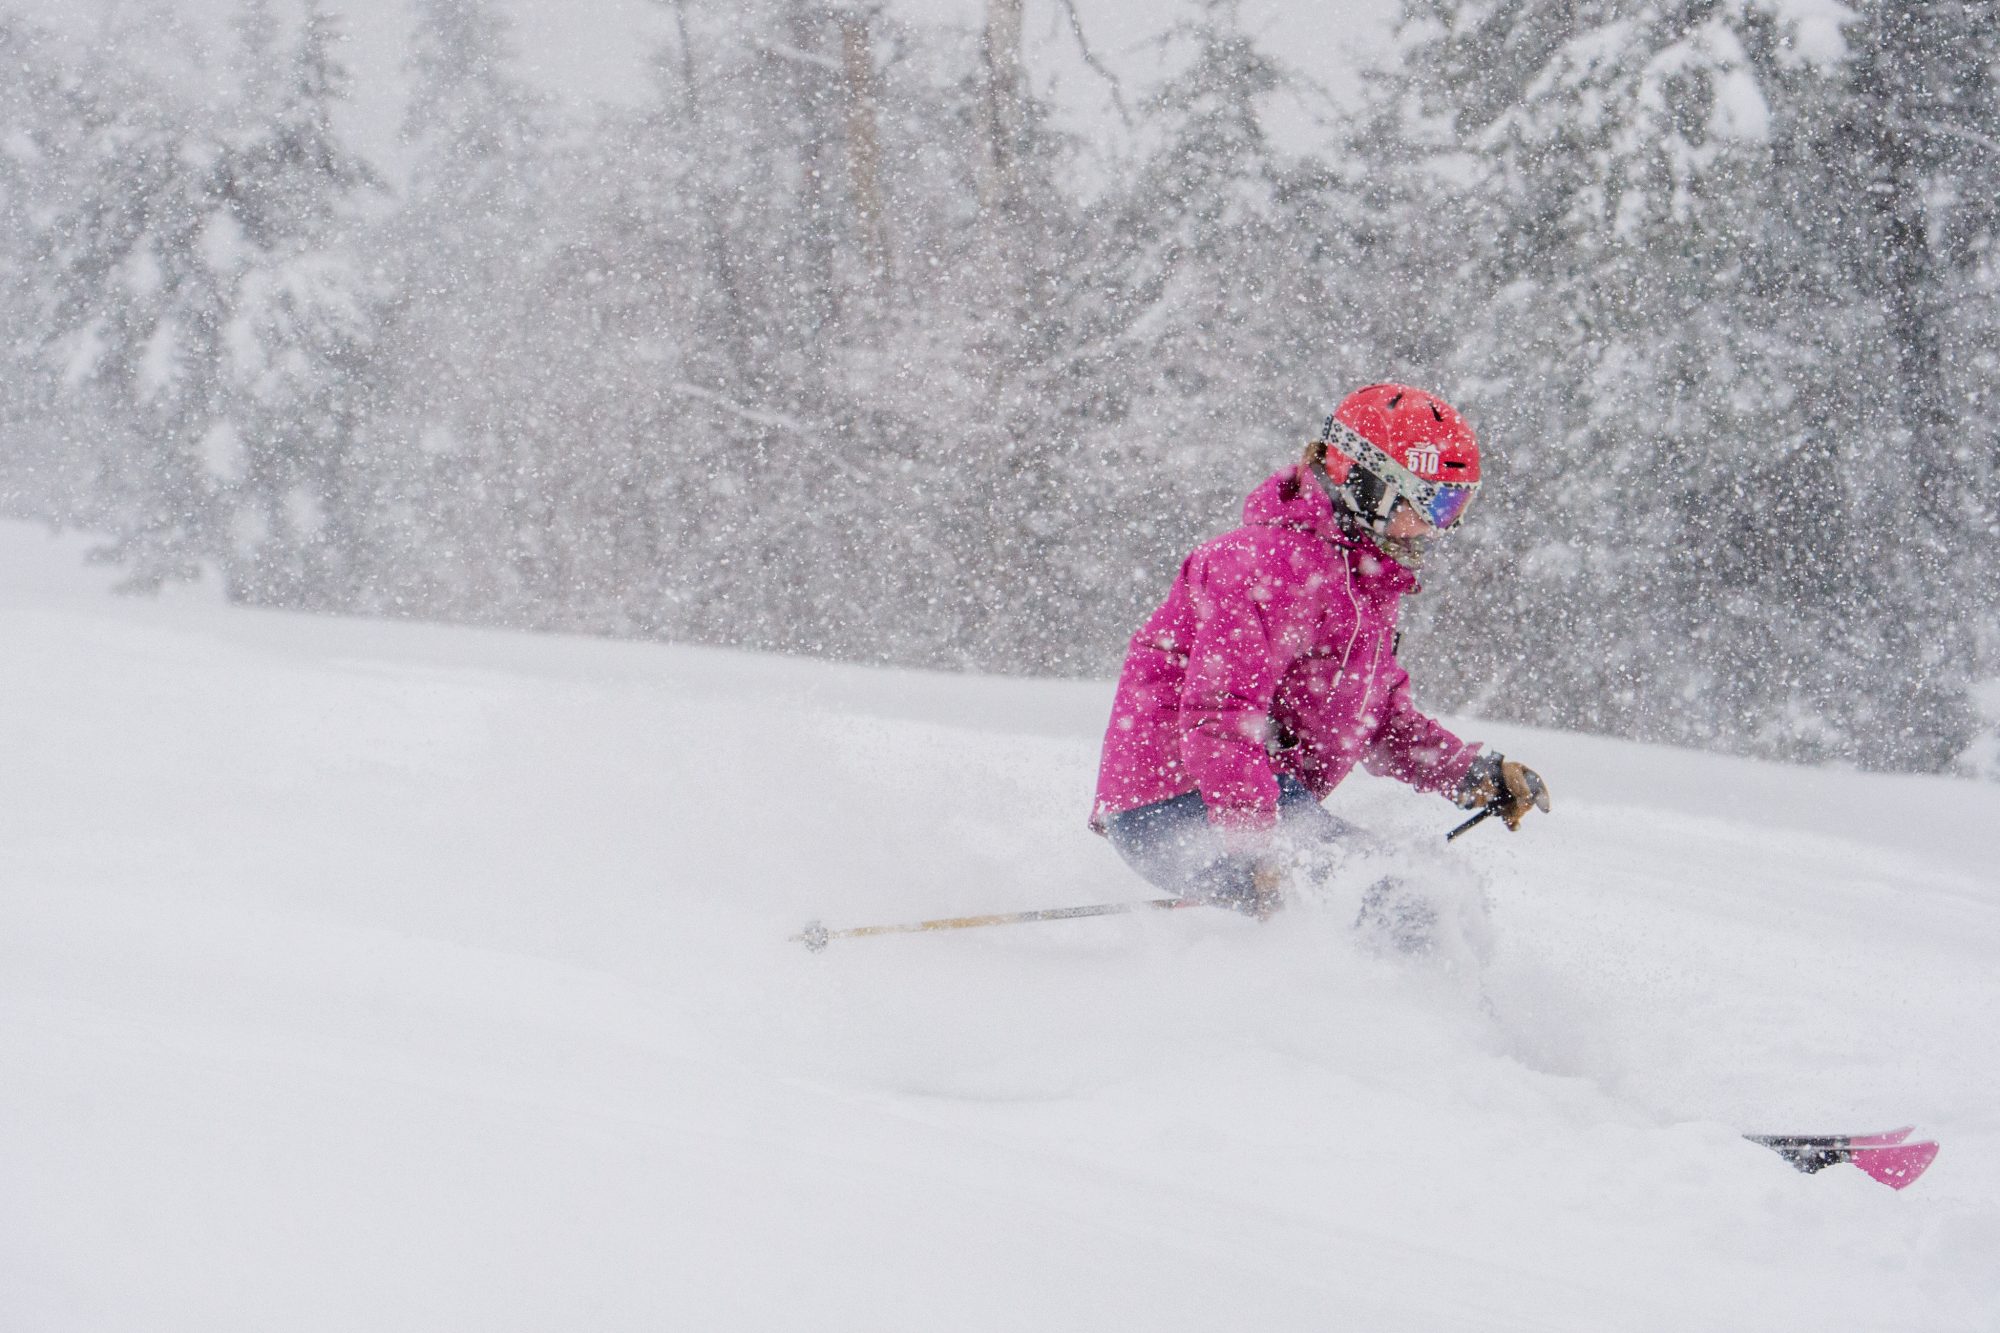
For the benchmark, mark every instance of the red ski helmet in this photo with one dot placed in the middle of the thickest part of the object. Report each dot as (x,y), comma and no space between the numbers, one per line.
(1390,442)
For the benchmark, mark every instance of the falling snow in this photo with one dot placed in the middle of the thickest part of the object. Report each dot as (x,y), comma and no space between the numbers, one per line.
(846,335)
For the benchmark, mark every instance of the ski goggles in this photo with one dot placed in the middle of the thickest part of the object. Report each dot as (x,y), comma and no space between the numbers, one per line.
(1447,503)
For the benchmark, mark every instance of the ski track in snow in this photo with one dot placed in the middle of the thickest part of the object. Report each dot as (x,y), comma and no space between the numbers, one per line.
(362,975)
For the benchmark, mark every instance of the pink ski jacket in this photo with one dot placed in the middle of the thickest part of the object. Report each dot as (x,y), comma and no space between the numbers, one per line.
(1273,654)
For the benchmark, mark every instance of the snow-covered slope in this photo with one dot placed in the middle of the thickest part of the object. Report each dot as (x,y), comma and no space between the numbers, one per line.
(372,976)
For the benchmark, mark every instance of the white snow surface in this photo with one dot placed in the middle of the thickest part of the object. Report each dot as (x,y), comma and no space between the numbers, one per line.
(359,975)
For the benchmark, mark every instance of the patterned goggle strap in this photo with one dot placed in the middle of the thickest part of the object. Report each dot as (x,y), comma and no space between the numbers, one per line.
(1442,503)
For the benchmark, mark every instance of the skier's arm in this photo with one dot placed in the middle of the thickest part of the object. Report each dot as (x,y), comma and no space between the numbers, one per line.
(1225,704)
(1411,747)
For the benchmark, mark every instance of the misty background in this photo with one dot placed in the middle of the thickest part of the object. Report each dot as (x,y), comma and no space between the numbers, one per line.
(934,335)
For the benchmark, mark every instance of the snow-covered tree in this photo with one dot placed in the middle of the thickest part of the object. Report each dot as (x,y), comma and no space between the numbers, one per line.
(133,306)
(1671,537)
(297,343)
(43,471)
(1901,156)
(451,473)
(209,336)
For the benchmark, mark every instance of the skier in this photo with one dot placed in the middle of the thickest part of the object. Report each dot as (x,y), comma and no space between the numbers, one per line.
(1270,669)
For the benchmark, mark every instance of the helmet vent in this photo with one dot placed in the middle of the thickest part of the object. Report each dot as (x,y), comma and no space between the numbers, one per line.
(1394,399)
(1437,411)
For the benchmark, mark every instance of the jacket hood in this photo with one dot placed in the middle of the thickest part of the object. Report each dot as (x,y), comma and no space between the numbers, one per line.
(1289,498)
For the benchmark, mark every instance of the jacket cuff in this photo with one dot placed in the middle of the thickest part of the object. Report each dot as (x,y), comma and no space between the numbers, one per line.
(1453,772)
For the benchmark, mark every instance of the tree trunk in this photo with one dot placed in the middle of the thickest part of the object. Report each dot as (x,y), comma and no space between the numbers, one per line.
(1002,115)
(864,152)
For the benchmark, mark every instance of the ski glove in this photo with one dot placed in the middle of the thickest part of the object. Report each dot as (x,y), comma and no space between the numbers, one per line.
(1509,790)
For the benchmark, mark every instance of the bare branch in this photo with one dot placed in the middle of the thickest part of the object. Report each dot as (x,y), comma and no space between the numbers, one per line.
(755,416)
(1096,65)
(1949,131)
(783,52)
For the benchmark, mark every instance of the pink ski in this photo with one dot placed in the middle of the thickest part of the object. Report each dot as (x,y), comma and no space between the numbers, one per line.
(1895,1165)
(1886,1156)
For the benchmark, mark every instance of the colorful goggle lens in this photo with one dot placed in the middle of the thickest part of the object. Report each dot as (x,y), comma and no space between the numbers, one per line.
(1448,505)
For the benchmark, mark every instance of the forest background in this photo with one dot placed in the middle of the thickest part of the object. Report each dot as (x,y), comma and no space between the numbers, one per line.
(835,339)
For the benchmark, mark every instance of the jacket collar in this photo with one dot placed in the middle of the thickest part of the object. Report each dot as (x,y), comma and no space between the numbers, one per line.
(1291,498)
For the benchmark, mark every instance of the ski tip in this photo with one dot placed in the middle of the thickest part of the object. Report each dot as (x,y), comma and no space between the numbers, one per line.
(1896,1165)
(1882,1139)
(1879,1139)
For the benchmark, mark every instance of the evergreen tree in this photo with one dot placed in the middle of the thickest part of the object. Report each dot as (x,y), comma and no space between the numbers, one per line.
(1001,476)
(1902,157)
(132,310)
(299,338)
(455,497)
(41,472)
(737,284)
(1666,538)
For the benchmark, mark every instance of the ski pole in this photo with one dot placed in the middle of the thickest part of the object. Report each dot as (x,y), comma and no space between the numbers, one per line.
(1487,813)
(816,936)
